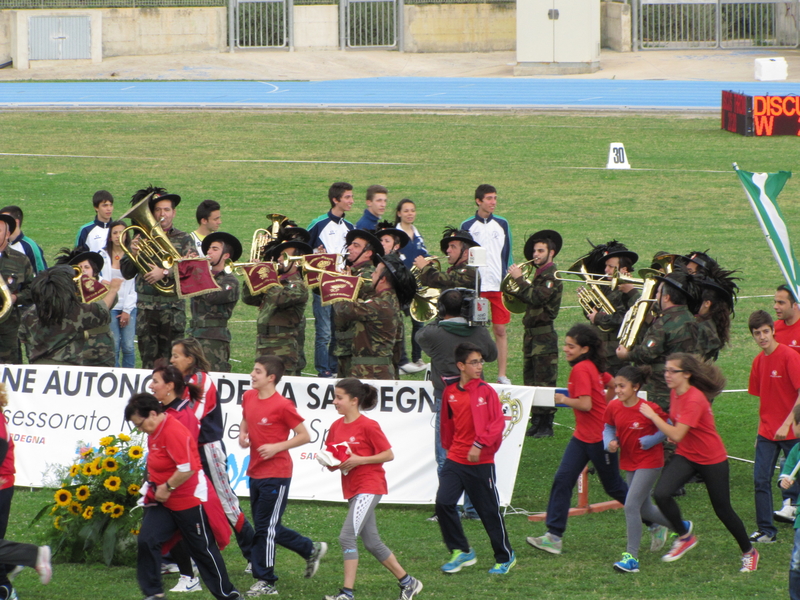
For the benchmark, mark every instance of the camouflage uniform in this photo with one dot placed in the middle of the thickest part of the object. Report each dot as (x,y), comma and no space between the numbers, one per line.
(16,270)
(674,331)
(160,319)
(98,351)
(209,324)
(375,332)
(621,301)
(345,328)
(540,342)
(708,342)
(281,309)
(63,344)
(459,275)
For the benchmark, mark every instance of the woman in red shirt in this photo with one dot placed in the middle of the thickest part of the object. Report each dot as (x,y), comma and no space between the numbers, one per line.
(172,467)
(693,384)
(363,483)
(583,349)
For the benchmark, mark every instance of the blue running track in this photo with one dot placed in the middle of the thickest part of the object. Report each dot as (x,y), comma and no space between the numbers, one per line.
(388,92)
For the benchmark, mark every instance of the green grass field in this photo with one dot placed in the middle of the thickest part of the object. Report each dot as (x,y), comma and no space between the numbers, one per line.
(541,165)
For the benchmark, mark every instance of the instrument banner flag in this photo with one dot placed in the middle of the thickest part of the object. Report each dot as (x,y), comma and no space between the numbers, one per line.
(335,287)
(91,290)
(762,190)
(322,262)
(194,278)
(260,277)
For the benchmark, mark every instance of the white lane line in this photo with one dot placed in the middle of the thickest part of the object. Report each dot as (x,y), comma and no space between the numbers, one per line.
(437,94)
(128,88)
(316,162)
(274,89)
(641,169)
(76,156)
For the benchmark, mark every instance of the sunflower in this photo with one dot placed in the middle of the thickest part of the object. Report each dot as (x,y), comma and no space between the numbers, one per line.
(53,510)
(88,469)
(75,508)
(96,466)
(57,523)
(111,450)
(110,464)
(134,531)
(112,483)
(106,441)
(133,489)
(117,511)
(63,497)
(82,493)
(74,470)
(88,513)
(136,452)
(124,437)
(106,507)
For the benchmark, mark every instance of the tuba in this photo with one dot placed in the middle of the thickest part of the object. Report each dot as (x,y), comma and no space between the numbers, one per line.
(510,288)
(637,314)
(155,249)
(425,305)
(264,236)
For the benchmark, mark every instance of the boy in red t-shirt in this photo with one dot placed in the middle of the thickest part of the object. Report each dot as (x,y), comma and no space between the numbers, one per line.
(775,379)
(472,427)
(267,420)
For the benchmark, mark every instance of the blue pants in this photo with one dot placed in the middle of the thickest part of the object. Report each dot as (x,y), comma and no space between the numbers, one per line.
(767,454)
(576,456)
(268,502)
(123,339)
(324,361)
(794,568)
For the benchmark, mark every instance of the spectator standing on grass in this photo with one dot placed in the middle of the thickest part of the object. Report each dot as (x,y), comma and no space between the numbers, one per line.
(267,420)
(405,215)
(17,274)
(328,233)
(699,450)
(788,479)
(587,384)
(363,484)
(377,196)
(494,234)
(22,243)
(787,327)
(775,380)
(123,313)
(94,235)
(209,220)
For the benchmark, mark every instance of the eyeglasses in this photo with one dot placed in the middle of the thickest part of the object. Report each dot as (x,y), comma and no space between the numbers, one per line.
(674,370)
(476,362)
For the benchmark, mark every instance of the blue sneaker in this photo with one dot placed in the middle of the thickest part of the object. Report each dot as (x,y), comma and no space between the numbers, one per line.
(503,568)
(460,560)
(689,527)
(628,564)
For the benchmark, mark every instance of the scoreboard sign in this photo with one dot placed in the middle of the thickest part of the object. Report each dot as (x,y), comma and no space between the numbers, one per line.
(760,115)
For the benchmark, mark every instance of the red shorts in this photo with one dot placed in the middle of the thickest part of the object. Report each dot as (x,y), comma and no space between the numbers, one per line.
(500,314)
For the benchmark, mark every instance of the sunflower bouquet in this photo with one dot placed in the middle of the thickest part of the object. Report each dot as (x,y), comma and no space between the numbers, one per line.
(91,513)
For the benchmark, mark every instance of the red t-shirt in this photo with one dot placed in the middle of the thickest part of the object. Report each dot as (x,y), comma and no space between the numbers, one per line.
(586,380)
(181,410)
(269,421)
(788,335)
(775,379)
(7,469)
(631,425)
(365,438)
(702,443)
(169,448)
(459,402)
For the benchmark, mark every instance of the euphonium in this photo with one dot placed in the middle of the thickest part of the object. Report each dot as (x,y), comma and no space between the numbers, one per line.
(264,236)
(510,288)
(636,315)
(425,305)
(591,297)
(155,249)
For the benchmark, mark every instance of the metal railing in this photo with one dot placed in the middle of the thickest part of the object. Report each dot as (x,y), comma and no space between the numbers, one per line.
(371,23)
(262,23)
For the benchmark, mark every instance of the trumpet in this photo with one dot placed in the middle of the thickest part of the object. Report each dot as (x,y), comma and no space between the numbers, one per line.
(263,237)
(510,288)
(425,305)
(88,289)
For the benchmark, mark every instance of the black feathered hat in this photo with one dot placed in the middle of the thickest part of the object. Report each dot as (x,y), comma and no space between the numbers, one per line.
(10,221)
(369,237)
(405,285)
(683,281)
(292,231)
(387,228)
(275,252)
(544,234)
(157,194)
(702,259)
(452,234)
(225,238)
(77,255)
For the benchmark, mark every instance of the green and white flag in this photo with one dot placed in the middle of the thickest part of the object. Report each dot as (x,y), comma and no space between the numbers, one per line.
(762,189)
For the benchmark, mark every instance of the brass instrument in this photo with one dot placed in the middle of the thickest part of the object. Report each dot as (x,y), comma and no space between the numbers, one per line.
(97,290)
(264,236)
(590,296)
(637,314)
(510,288)
(5,295)
(155,249)
(425,305)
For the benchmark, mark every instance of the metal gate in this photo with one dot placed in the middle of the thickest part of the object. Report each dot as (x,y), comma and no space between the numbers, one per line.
(54,38)
(371,23)
(262,23)
(677,24)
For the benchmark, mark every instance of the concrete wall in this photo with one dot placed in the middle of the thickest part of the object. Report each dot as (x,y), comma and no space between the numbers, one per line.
(615,26)
(460,27)
(5,36)
(316,27)
(19,32)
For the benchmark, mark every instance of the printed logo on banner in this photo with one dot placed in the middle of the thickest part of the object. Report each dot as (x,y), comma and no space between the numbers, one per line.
(512,412)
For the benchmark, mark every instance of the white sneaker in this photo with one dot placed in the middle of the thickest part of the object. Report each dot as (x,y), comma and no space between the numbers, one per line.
(504,380)
(43,566)
(249,569)
(411,367)
(169,567)
(15,571)
(787,512)
(188,584)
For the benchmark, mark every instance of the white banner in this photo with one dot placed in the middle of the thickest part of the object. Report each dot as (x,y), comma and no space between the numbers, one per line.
(52,409)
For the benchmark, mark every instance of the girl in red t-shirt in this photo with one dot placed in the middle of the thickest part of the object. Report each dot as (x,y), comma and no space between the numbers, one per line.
(699,450)
(583,349)
(363,483)
(641,456)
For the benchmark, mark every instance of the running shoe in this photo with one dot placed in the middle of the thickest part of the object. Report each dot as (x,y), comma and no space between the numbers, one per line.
(188,584)
(262,588)
(340,595)
(503,568)
(312,564)
(459,560)
(658,536)
(43,566)
(628,564)
(680,547)
(546,543)
(749,561)
(787,512)
(761,537)
(407,592)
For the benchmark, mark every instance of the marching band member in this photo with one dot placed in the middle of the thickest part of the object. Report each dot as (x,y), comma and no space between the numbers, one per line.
(17,273)
(455,244)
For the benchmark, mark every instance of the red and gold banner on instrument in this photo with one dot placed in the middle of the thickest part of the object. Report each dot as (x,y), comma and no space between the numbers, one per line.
(91,290)
(193,277)
(335,287)
(260,277)
(322,262)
